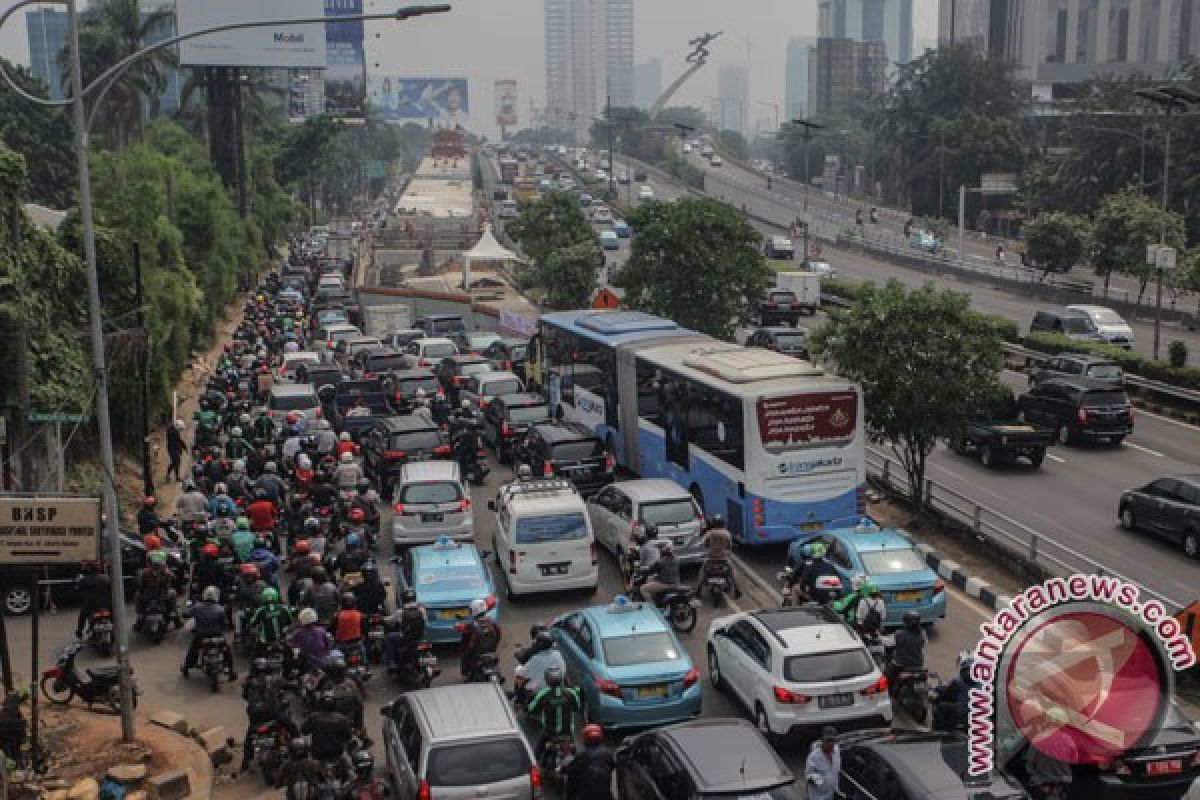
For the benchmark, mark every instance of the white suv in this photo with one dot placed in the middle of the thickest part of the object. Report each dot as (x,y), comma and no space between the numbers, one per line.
(543,540)
(797,668)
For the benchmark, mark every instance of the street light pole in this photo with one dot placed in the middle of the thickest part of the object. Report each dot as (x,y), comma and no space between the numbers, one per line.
(809,126)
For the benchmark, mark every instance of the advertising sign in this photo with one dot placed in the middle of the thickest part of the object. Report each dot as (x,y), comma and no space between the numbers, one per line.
(807,420)
(442,101)
(266,46)
(49,530)
(506,103)
(345,73)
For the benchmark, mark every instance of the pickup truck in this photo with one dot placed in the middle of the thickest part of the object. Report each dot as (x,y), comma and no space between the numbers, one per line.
(1001,438)
(778,307)
(347,395)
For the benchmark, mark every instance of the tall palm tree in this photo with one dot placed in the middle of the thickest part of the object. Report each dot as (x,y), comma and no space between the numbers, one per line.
(109,31)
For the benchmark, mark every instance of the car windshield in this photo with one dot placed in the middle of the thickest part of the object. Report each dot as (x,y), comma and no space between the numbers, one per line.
(455,579)
(1104,371)
(640,648)
(551,528)
(415,440)
(1104,399)
(783,297)
(669,512)
(432,492)
(822,667)
(1078,325)
(439,350)
(410,385)
(577,450)
(886,562)
(528,413)
(478,763)
(506,386)
(474,369)
(293,402)
(381,363)
(790,340)
(348,333)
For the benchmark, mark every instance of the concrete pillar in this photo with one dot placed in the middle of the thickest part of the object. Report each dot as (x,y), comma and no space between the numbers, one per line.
(1072,31)
(1102,31)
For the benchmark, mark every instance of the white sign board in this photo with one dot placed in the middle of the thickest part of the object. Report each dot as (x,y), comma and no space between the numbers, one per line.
(265,46)
(49,530)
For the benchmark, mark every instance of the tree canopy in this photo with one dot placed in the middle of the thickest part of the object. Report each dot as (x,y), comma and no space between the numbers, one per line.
(42,135)
(1055,241)
(1125,224)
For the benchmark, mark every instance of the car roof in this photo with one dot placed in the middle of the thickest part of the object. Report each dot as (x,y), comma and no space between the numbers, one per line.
(293,389)
(441,316)
(466,358)
(407,422)
(466,710)
(301,355)
(563,431)
(1081,384)
(785,623)
(635,618)
(782,330)
(521,399)
(884,539)
(920,759)
(644,490)
(427,471)
(496,374)
(412,374)
(383,351)
(1087,358)
(428,340)
(725,755)
(338,327)
(450,554)
(513,341)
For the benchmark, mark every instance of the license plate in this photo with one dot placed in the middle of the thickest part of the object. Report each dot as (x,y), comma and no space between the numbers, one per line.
(375,634)
(908,597)
(432,516)
(554,569)
(454,613)
(1172,766)
(264,741)
(811,526)
(835,700)
(718,582)
(428,661)
(650,692)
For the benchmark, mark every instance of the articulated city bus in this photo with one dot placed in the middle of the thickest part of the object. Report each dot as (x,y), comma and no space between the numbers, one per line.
(773,443)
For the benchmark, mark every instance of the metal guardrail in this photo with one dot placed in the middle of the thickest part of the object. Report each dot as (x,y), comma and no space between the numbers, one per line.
(996,526)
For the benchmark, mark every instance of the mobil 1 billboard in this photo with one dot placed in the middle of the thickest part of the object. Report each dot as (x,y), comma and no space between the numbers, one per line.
(268,45)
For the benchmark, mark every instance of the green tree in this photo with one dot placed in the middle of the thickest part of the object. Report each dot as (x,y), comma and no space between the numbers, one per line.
(551,223)
(696,261)
(1055,241)
(41,135)
(926,363)
(569,275)
(1124,225)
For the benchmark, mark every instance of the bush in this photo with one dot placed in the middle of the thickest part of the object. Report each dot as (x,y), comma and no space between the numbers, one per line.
(1177,354)
(1133,363)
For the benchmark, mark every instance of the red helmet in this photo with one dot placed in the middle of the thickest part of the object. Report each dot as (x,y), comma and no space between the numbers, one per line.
(248,571)
(593,734)
(292,417)
(152,542)
(209,550)
(149,502)
(264,369)
(358,515)
(301,548)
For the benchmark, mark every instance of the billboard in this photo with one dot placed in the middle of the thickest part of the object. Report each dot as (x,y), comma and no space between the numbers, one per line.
(442,101)
(345,72)
(49,530)
(506,103)
(266,46)
(807,420)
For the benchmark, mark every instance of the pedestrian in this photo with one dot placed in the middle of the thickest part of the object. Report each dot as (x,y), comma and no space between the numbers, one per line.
(175,448)
(823,766)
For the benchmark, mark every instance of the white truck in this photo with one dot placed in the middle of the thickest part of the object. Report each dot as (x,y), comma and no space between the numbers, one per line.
(805,285)
(379,321)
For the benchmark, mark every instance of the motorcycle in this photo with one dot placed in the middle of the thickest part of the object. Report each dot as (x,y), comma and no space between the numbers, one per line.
(269,741)
(212,661)
(100,631)
(62,682)
(879,645)
(375,638)
(678,605)
(559,752)
(828,589)
(911,693)
(356,661)
(418,672)
(718,581)
(154,621)
(486,670)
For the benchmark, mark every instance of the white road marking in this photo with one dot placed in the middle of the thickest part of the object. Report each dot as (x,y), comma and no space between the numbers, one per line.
(1136,446)
(1053,457)
(1143,413)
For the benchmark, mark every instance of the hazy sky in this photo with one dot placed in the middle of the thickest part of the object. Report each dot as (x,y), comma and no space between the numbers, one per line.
(483,40)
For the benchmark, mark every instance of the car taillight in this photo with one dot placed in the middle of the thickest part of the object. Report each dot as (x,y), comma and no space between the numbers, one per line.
(464,504)
(791,698)
(609,463)
(392,455)
(772,305)
(421,362)
(423,792)
(878,687)
(508,366)
(610,688)
(690,679)
(505,429)
(399,508)
(368,375)
(939,586)
(1083,415)
(490,601)
(512,562)
(456,380)
(535,783)
(547,470)
(442,450)
(263,729)
(397,395)
(483,404)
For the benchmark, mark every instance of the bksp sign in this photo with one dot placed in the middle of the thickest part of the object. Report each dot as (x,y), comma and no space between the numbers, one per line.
(49,530)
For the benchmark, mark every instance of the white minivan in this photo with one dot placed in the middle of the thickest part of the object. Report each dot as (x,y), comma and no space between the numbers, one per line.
(544,540)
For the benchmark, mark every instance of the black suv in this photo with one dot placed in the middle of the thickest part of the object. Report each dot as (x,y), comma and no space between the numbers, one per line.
(508,417)
(789,341)
(1168,507)
(712,758)
(401,387)
(454,369)
(510,355)
(1101,371)
(1078,409)
(392,442)
(883,764)
(319,375)
(370,363)
(566,450)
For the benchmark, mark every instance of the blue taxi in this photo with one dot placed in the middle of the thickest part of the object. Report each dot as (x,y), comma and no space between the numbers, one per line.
(447,575)
(889,559)
(628,665)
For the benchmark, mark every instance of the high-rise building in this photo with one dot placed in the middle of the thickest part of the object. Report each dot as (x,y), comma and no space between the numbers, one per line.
(796,79)
(887,21)
(847,69)
(647,83)
(1070,41)
(733,97)
(589,60)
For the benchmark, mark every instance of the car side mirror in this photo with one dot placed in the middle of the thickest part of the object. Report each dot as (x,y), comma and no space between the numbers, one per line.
(491,505)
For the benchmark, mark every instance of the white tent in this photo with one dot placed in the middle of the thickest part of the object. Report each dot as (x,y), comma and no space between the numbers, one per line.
(486,249)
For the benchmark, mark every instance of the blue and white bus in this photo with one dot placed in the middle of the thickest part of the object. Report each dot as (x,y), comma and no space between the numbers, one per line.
(773,443)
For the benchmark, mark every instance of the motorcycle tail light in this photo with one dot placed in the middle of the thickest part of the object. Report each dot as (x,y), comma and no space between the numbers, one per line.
(442,450)
(535,783)
(399,508)
(609,463)
(505,430)
(101,614)
(263,729)
(878,687)
(490,601)
(1083,415)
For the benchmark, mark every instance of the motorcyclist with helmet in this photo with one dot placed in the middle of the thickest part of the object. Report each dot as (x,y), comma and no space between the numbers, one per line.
(809,577)
(147,517)
(661,576)
(370,596)
(718,547)
(348,473)
(95,594)
(263,692)
(301,769)
(872,610)
(847,605)
(155,586)
(404,631)
(323,597)
(263,557)
(543,656)
(952,702)
(192,504)
(221,504)
(208,571)
(262,512)
(350,561)
(238,445)
(908,651)
(365,786)
(330,732)
(271,619)
(365,500)
(554,707)
(589,773)
(247,594)
(345,444)
(311,639)
(481,634)
(209,621)
(327,440)
(242,539)
(264,427)
(348,624)
(272,484)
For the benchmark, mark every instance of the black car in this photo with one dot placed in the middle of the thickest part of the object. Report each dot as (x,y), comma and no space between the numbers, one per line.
(18,580)
(1099,370)
(1078,409)
(319,375)
(789,341)
(566,450)
(882,764)
(705,759)
(369,363)
(392,442)
(509,354)
(508,417)
(401,386)
(1168,507)
(453,369)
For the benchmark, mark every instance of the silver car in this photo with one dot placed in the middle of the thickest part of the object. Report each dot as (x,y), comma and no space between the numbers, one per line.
(431,501)
(620,508)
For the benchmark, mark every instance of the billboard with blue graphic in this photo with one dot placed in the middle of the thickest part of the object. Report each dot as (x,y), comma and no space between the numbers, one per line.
(345,68)
(443,102)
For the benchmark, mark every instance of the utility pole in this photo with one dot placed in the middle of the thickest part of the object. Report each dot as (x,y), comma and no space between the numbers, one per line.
(239,127)
(612,192)
(809,126)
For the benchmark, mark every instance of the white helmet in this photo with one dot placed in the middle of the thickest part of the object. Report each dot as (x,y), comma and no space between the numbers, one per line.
(270,467)
(235,432)
(347,458)
(478,608)
(307,616)
(211,594)
(179,425)
(303,461)
(323,425)
(857,581)
(345,437)
(239,465)
(465,404)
